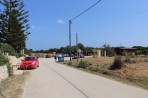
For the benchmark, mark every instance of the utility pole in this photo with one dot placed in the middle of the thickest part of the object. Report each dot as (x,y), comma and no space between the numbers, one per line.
(70,39)
(77,45)
(70,22)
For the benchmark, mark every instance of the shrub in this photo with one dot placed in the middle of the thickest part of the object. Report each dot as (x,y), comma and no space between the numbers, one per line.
(117,63)
(3,60)
(133,61)
(82,64)
(10,69)
(93,68)
(5,48)
(69,63)
(127,59)
(97,65)
(145,60)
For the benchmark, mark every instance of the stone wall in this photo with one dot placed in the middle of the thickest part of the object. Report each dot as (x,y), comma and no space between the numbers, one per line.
(3,72)
(15,64)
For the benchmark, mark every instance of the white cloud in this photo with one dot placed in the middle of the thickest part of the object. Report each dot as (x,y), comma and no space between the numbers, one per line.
(39,27)
(60,21)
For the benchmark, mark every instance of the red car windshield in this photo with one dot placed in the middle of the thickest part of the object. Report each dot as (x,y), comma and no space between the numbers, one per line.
(29,58)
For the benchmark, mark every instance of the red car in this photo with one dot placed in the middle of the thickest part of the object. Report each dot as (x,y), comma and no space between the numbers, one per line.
(30,62)
(48,56)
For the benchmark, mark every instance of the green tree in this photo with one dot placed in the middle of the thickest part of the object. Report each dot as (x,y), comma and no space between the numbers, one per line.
(13,26)
(141,50)
(62,50)
(74,49)
(3,22)
(5,48)
(145,52)
(88,50)
(81,46)
(109,50)
(67,49)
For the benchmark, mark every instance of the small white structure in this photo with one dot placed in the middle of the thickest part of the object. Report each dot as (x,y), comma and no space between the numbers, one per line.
(97,53)
(104,53)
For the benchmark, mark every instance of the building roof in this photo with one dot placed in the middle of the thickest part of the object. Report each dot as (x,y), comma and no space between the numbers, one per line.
(128,48)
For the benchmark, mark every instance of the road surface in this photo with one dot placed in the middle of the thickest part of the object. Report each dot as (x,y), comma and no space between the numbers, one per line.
(53,80)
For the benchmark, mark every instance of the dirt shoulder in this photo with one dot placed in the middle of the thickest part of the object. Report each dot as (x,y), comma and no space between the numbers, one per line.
(13,87)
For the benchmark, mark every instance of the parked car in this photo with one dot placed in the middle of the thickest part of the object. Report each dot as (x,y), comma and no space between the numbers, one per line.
(66,55)
(81,55)
(75,57)
(48,56)
(30,62)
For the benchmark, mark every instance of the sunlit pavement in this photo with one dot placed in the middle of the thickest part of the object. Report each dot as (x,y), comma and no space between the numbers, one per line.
(53,80)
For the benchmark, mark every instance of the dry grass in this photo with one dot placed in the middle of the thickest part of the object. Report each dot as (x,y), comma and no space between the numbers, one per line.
(106,62)
(13,86)
(135,71)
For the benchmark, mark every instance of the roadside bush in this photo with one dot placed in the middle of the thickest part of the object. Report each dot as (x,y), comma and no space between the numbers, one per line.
(10,70)
(133,61)
(118,64)
(130,59)
(69,63)
(127,59)
(93,68)
(82,64)
(97,65)
(5,48)
(3,60)
(145,60)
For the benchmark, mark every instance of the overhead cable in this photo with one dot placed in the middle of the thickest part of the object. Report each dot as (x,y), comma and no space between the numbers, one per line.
(86,10)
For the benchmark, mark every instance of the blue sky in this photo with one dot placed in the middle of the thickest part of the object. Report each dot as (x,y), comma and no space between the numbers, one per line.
(115,22)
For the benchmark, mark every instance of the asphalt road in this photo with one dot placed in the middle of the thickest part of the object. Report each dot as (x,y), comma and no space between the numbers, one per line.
(53,80)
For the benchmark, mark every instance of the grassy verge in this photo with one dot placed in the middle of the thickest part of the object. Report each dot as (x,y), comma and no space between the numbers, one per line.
(133,74)
(12,87)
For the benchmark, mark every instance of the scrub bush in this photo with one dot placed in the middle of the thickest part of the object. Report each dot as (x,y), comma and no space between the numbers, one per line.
(3,60)
(5,48)
(82,64)
(118,64)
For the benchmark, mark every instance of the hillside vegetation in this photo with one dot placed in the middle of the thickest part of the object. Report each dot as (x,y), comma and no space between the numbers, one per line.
(5,48)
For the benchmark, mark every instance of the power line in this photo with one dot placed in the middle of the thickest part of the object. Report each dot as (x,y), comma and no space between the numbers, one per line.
(70,22)
(86,10)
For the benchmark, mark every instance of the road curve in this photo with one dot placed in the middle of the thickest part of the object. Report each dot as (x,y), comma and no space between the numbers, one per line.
(53,80)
